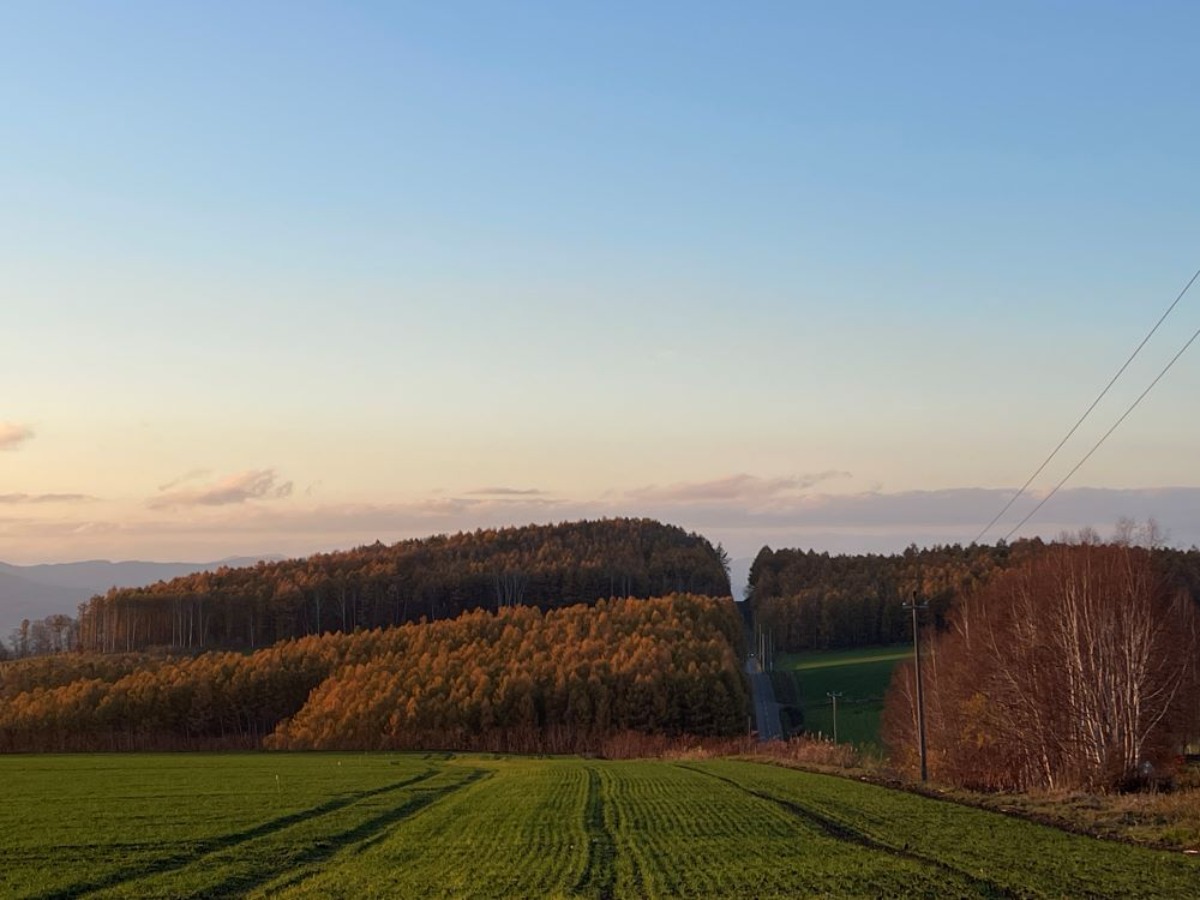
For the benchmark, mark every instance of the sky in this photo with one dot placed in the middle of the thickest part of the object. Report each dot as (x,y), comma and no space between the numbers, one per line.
(289,277)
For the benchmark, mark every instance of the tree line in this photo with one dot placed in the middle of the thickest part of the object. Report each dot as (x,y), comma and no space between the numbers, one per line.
(375,586)
(57,633)
(818,601)
(1075,669)
(513,679)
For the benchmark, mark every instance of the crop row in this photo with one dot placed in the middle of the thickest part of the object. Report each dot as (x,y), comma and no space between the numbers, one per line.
(355,825)
(518,831)
(1009,854)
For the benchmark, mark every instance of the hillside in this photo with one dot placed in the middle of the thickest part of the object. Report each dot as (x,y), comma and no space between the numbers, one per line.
(515,679)
(432,578)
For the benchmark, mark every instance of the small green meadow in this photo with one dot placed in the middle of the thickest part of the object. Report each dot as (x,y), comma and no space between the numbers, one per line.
(860,676)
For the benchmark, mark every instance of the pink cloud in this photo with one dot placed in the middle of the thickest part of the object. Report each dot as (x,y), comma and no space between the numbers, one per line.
(253,484)
(13,435)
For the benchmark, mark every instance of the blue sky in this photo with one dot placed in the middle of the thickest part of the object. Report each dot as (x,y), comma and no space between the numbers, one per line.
(286,277)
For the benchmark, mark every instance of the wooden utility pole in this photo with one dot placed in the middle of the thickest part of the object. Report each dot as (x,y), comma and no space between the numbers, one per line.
(833,695)
(915,607)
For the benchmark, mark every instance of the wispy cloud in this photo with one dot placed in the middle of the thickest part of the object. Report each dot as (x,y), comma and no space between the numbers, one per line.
(45,498)
(731,510)
(505,492)
(253,484)
(740,488)
(192,475)
(13,435)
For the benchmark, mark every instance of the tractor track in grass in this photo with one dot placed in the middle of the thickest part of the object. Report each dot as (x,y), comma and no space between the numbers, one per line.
(206,848)
(600,875)
(359,837)
(842,832)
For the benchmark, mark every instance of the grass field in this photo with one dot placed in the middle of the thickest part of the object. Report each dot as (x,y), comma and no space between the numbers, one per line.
(862,677)
(345,825)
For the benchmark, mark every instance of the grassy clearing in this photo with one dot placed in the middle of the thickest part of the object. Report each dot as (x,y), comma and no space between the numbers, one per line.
(861,676)
(1166,818)
(383,825)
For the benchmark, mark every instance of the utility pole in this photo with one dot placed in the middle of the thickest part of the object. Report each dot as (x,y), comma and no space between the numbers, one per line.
(915,608)
(765,641)
(833,695)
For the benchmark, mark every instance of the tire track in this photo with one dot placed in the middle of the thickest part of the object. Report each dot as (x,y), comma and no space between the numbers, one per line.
(600,875)
(204,848)
(843,832)
(359,837)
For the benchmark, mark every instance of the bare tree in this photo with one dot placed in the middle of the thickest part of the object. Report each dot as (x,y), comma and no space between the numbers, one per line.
(1073,670)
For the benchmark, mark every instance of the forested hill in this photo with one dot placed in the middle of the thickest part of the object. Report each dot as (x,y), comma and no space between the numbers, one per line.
(518,680)
(432,578)
(814,600)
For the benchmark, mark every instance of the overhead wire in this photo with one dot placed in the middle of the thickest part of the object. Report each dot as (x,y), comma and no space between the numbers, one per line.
(1116,424)
(1087,412)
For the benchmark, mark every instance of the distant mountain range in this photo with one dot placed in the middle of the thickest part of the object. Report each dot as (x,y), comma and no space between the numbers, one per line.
(34,592)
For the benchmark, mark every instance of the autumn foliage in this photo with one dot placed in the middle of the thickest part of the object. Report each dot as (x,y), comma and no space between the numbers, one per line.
(379,586)
(520,679)
(1075,669)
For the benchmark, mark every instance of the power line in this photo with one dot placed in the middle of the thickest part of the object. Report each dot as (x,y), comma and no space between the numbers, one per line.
(1124,415)
(1086,413)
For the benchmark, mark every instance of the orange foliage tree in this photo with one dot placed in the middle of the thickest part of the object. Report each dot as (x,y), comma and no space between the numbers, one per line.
(516,679)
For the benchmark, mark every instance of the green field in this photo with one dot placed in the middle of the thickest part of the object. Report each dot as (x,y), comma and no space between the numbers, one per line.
(353,825)
(861,676)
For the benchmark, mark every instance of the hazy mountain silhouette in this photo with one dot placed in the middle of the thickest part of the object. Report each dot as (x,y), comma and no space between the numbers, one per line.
(22,598)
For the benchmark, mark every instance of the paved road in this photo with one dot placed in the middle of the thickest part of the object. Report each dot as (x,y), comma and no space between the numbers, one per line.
(766,710)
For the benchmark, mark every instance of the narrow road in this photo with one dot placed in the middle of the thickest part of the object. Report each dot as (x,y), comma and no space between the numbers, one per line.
(766,710)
